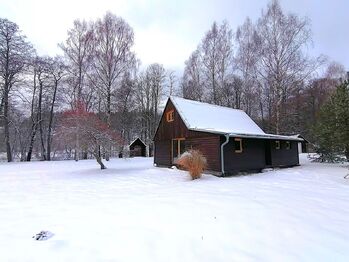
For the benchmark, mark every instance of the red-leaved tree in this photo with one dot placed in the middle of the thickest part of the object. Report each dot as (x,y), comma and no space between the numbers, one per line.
(83,130)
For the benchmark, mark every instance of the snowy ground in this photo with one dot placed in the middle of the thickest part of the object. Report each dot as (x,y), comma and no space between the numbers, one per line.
(136,212)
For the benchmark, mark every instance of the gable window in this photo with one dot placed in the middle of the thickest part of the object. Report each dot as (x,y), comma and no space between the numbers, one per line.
(288,145)
(277,144)
(170,116)
(238,145)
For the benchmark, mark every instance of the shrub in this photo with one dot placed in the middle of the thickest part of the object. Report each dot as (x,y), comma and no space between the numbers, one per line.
(194,162)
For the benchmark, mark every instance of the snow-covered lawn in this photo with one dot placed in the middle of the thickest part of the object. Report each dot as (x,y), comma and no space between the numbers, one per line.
(136,212)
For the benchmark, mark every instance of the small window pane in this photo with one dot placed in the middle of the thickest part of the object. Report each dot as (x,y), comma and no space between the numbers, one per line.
(181,146)
(238,145)
(277,144)
(175,148)
(170,116)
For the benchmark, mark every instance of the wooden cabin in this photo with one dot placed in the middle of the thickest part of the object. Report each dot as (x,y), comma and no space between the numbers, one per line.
(229,139)
(138,148)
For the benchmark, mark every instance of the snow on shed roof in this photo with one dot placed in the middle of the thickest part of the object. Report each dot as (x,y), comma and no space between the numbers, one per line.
(204,117)
(136,140)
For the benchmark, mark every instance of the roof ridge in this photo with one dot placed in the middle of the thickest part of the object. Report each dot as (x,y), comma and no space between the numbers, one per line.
(199,102)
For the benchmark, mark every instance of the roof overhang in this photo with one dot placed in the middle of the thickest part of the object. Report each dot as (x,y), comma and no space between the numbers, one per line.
(267,136)
(255,136)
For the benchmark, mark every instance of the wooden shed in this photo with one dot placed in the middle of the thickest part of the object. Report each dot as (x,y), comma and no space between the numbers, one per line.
(138,148)
(229,139)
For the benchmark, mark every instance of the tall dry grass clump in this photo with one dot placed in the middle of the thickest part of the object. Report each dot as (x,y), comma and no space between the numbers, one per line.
(194,162)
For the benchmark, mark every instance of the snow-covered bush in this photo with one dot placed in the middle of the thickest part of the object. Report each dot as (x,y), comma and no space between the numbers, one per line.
(324,155)
(194,162)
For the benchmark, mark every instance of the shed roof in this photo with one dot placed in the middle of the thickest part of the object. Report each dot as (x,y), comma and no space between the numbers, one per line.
(134,141)
(204,117)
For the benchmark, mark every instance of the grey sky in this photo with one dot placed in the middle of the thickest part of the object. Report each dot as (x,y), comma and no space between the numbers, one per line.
(168,31)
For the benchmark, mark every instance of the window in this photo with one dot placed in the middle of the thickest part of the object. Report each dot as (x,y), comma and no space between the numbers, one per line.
(178,148)
(238,145)
(170,116)
(277,144)
(288,145)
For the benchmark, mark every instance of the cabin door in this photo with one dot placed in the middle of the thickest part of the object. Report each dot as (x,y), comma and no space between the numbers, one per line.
(178,148)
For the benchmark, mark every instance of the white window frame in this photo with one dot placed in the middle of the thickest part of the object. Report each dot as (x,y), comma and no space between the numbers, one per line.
(240,141)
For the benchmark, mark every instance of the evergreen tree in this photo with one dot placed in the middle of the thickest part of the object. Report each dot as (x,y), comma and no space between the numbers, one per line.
(332,128)
(342,116)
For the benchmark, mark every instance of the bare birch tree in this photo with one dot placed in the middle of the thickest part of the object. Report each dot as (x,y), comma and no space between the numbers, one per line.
(14,54)
(216,52)
(57,71)
(149,94)
(40,69)
(78,51)
(171,82)
(282,63)
(113,57)
(192,80)
(245,62)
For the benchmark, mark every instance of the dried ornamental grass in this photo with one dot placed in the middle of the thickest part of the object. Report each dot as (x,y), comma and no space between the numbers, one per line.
(194,162)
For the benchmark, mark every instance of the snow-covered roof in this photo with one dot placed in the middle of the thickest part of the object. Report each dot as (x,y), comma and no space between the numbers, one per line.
(300,137)
(204,117)
(136,140)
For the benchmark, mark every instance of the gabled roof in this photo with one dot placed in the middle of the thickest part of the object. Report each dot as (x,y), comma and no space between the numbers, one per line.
(204,117)
(136,140)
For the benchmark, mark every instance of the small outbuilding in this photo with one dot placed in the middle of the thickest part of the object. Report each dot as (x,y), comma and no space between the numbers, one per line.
(138,148)
(229,139)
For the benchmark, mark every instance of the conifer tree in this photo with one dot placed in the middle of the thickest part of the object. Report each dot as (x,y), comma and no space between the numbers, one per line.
(332,128)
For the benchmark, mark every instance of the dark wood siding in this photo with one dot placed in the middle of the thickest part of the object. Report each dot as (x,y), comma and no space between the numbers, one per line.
(251,158)
(209,147)
(162,155)
(169,130)
(284,157)
(207,143)
(177,128)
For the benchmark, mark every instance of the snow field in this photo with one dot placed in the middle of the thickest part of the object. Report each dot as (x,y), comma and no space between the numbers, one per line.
(136,212)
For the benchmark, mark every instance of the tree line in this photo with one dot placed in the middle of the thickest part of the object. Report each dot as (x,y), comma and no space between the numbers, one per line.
(98,70)
(262,67)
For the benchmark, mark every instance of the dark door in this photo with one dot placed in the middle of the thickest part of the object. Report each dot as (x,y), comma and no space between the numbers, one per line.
(267,145)
(137,150)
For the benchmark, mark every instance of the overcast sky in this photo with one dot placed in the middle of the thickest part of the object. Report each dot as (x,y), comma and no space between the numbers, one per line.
(168,31)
